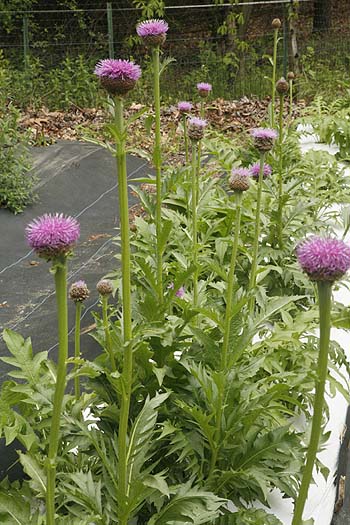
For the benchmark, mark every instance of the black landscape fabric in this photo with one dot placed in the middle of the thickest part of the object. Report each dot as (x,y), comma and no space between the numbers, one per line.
(77,179)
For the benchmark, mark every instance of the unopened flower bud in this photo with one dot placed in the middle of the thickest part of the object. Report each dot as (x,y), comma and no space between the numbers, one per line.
(276,23)
(239,180)
(79,291)
(282,86)
(291,75)
(104,287)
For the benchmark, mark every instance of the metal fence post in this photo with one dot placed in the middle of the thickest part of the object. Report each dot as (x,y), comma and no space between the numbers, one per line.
(25,41)
(110,30)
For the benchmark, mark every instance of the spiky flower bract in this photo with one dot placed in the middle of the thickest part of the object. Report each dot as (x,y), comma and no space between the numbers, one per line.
(52,235)
(184,107)
(282,86)
(263,138)
(79,291)
(204,88)
(240,179)
(117,76)
(254,170)
(153,32)
(104,287)
(196,127)
(324,259)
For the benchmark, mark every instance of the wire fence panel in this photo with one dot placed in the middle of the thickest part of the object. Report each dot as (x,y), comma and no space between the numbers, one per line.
(208,42)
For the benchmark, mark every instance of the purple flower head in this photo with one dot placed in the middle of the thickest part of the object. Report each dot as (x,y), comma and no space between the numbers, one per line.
(152,28)
(204,86)
(52,235)
(263,133)
(239,180)
(197,122)
(254,170)
(79,291)
(153,32)
(263,138)
(241,172)
(184,107)
(171,286)
(118,69)
(117,76)
(324,259)
(196,127)
(180,292)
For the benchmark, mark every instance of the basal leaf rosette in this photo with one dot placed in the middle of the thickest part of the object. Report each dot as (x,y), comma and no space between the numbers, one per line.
(117,76)
(153,32)
(196,127)
(263,138)
(324,259)
(204,88)
(52,236)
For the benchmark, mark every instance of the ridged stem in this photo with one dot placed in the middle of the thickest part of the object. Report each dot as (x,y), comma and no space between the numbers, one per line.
(227,325)
(274,68)
(184,122)
(194,221)
(78,307)
(290,99)
(252,279)
(62,314)
(108,340)
(157,159)
(324,296)
(126,298)
(280,177)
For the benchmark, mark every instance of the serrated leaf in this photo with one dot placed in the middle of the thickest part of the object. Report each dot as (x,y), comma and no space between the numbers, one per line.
(36,473)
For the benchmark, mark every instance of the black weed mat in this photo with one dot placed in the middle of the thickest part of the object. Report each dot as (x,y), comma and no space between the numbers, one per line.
(77,179)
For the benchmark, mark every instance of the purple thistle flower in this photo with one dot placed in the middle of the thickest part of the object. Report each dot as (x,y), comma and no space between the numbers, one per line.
(263,133)
(254,170)
(324,259)
(197,122)
(117,76)
(184,107)
(204,88)
(152,28)
(153,32)
(117,68)
(239,180)
(196,128)
(52,235)
(263,138)
(180,292)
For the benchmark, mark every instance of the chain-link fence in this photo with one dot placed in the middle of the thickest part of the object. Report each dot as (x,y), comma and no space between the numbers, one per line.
(208,42)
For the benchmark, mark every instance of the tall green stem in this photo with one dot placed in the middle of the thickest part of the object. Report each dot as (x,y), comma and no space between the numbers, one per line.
(61,300)
(126,297)
(108,341)
(280,177)
(157,158)
(184,122)
(78,307)
(290,99)
(252,280)
(194,221)
(227,325)
(274,68)
(324,295)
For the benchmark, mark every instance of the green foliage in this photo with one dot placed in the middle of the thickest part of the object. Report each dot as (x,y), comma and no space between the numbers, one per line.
(16,182)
